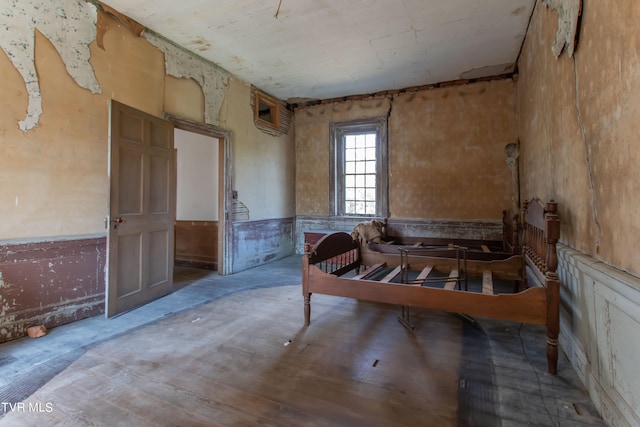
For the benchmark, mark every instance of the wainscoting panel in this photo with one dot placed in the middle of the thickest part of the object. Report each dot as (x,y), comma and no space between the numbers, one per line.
(600,333)
(197,244)
(50,283)
(258,242)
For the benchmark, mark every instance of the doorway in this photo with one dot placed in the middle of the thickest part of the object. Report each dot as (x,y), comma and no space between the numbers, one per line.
(207,134)
(196,225)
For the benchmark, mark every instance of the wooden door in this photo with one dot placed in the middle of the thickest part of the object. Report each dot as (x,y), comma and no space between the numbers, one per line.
(141,209)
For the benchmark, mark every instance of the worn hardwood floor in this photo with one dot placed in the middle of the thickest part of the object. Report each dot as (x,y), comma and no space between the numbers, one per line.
(246,359)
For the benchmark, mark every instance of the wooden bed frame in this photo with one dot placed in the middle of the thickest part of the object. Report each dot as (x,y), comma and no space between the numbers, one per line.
(334,267)
(477,249)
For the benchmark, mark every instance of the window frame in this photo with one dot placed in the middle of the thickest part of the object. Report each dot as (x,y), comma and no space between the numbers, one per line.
(338,130)
(274,110)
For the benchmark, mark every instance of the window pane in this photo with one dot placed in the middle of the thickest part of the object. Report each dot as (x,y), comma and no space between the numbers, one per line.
(370,194)
(360,167)
(360,208)
(371,181)
(370,208)
(370,153)
(350,167)
(350,207)
(371,167)
(350,181)
(359,180)
(349,141)
(350,154)
(350,193)
(371,140)
(360,153)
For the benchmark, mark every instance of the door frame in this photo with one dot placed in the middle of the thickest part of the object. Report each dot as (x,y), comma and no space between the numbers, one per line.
(225,241)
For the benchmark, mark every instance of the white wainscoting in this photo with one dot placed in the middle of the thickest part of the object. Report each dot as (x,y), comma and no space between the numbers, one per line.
(600,333)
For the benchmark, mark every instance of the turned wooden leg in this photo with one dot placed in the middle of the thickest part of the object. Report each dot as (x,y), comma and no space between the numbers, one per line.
(307,309)
(552,354)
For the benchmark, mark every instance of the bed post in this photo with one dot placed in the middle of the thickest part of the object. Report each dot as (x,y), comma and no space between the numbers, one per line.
(305,283)
(553,286)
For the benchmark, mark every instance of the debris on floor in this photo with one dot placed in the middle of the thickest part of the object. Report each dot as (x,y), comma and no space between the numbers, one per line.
(37,331)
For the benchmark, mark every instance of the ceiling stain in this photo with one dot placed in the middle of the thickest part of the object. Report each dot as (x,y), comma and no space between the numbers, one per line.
(518,11)
(199,44)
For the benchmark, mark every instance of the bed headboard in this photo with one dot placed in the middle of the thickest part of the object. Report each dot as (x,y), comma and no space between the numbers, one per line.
(541,230)
(335,253)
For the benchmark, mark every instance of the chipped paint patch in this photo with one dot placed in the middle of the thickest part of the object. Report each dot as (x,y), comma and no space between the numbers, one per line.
(181,63)
(5,306)
(566,36)
(70,27)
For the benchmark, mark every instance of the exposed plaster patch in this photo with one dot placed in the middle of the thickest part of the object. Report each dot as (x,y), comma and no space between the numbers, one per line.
(101,26)
(512,153)
(568,18)
(181,63)
(68,24)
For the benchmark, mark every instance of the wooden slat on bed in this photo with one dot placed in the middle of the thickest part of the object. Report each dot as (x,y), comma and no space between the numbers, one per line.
(394,273)
(487,282)
(452,281)
(423,275)
(369,271)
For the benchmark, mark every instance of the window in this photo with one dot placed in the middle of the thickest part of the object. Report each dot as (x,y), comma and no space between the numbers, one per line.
(359,168)
(266,110)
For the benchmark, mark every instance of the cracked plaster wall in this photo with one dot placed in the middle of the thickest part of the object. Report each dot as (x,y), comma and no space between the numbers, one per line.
(578,120)
(578,127)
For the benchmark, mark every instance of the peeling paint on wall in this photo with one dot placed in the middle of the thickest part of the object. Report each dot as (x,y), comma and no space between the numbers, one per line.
(566,35)
(5,306)
(69,25)
(181,63)
(50,283)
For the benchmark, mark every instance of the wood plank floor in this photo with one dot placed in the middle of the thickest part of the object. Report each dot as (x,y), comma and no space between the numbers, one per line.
(246,359)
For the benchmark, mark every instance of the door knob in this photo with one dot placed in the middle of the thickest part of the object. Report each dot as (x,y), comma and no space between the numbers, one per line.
(117,221)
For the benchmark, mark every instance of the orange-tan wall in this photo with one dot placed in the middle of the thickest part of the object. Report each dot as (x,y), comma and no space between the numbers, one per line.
(54,178)
(446,151)
(578,125)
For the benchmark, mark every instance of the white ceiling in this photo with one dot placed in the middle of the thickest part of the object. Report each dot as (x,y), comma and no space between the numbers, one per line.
(319,49)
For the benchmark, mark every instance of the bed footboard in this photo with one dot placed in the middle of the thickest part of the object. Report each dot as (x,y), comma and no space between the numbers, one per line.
(335,254)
